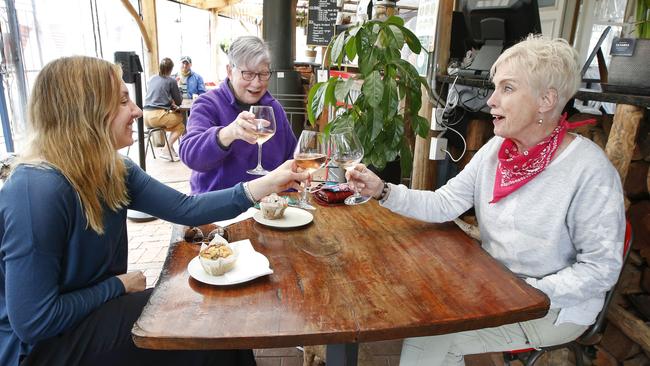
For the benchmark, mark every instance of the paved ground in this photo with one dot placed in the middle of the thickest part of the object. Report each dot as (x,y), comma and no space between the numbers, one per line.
(148,244)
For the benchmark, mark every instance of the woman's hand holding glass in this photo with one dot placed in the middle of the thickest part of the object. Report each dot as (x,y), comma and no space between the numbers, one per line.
(364,181)
(242,128)
(347,152)
(264,123)
(280,179)
(310,155)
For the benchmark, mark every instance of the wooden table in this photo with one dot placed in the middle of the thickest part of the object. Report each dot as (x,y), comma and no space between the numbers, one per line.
(356,274)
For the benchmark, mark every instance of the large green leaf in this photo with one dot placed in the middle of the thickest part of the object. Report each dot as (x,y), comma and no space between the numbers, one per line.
(377,123)
(373,89)
(398,133)
(420,126)
(391,99)
(328,97)
(412,40)
(351,47)
(336,56)
(315,102)
(395,20)
(398,37)
(406,158)
(342,89)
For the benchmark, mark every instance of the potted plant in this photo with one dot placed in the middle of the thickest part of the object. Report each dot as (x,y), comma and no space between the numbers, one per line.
(384,115)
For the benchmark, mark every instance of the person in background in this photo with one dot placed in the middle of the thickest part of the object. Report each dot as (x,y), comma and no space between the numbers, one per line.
(161,107)
(220,144)
(549,205)
(65,295)
(190,83)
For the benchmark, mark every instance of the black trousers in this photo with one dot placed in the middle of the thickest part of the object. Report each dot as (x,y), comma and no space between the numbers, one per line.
(104,338)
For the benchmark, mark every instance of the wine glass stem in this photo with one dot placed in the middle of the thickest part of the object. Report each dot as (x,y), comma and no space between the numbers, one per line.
(303,194)
(259,156)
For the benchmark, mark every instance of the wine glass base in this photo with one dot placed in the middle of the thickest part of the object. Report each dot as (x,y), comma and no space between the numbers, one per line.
(258,171)
(356,200)
(304,205)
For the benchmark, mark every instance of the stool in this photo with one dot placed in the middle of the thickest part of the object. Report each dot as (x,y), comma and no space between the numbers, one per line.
(148,132)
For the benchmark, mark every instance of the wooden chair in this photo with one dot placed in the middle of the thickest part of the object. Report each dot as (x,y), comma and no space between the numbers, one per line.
(590,337)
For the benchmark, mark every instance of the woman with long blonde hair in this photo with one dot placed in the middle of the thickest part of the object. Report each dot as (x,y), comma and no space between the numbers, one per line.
(65,296)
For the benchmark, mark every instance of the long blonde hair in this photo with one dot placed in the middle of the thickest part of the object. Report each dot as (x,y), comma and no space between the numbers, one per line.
(72,105)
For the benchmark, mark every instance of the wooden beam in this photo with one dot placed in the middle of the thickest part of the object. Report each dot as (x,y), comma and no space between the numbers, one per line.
(424,170)
(136,16)
(215,65)
(217,5)
(150,19)
(622,137)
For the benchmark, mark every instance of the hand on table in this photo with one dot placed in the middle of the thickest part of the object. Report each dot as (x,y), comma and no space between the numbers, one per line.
(133,281)
(367,182)
(242,128)
(280,179)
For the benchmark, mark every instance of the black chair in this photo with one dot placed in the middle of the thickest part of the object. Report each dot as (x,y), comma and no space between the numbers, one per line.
(148,133)
(590,337)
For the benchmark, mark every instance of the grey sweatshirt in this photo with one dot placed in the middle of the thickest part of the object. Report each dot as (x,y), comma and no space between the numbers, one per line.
(562,232)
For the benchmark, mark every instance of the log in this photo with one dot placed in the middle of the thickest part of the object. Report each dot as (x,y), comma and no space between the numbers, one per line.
(618,344)
(603,358)
(636,183)
(622,137)
(638,360)
(645,279)
(630,280)
(639,215)
(630,325)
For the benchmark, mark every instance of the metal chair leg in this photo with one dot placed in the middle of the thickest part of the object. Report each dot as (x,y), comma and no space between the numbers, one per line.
(578,352)
(534,356)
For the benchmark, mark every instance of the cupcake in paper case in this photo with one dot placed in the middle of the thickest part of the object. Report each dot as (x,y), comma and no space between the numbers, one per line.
(218,257)
(273,206)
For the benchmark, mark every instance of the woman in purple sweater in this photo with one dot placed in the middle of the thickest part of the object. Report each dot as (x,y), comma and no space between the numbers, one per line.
(220,144)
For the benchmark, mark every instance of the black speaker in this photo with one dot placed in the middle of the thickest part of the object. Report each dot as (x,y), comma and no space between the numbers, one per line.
(130,65)
(630,74)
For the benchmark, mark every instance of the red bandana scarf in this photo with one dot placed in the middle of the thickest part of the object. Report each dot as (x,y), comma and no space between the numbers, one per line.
(516,169)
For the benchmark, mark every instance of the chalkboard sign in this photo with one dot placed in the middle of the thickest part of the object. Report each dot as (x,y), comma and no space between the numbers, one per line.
(322,17)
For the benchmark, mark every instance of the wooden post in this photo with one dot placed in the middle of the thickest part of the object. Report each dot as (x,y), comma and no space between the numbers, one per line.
(215,64)
(148,30)
(424,170)
(622,137)
(150,18)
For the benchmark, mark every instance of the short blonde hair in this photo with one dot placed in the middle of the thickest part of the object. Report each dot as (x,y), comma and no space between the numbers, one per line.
(546,63)
(71,109)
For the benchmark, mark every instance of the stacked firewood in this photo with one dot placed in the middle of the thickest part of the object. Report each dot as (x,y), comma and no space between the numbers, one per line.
(626,340)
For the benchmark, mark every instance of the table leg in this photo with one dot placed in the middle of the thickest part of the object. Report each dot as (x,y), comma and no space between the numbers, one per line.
(342,354)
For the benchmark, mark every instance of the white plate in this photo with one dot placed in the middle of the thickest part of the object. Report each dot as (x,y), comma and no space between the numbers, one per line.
(293,217)
(249,265)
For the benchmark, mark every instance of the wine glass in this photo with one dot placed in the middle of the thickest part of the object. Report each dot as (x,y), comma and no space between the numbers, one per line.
(265,129)
(347,152)
(310,155)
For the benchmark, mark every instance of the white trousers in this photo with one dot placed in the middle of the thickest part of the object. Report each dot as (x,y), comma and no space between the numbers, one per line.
(449,349)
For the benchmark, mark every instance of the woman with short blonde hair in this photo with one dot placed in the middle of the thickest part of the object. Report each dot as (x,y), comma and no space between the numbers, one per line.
(65,295)
(549,205)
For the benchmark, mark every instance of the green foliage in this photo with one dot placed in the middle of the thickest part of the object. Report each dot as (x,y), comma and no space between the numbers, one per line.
(387,79)
(643,18)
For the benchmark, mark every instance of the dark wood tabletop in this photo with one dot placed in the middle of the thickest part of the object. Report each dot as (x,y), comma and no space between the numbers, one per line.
(355,274)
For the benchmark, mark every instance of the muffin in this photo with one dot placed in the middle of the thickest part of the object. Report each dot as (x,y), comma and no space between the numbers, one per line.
(217,258)
(273,206)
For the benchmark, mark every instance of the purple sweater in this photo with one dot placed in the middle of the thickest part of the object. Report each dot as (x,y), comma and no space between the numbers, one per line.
(214,168)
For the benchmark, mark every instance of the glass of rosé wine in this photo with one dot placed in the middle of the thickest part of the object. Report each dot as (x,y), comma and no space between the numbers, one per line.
(310,155)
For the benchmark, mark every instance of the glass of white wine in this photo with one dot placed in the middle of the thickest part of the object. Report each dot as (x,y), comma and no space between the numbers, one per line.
(310,155)
(265,129)
(347,152)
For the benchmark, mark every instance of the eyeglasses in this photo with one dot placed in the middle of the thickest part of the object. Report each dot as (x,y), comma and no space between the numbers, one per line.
(249,75)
